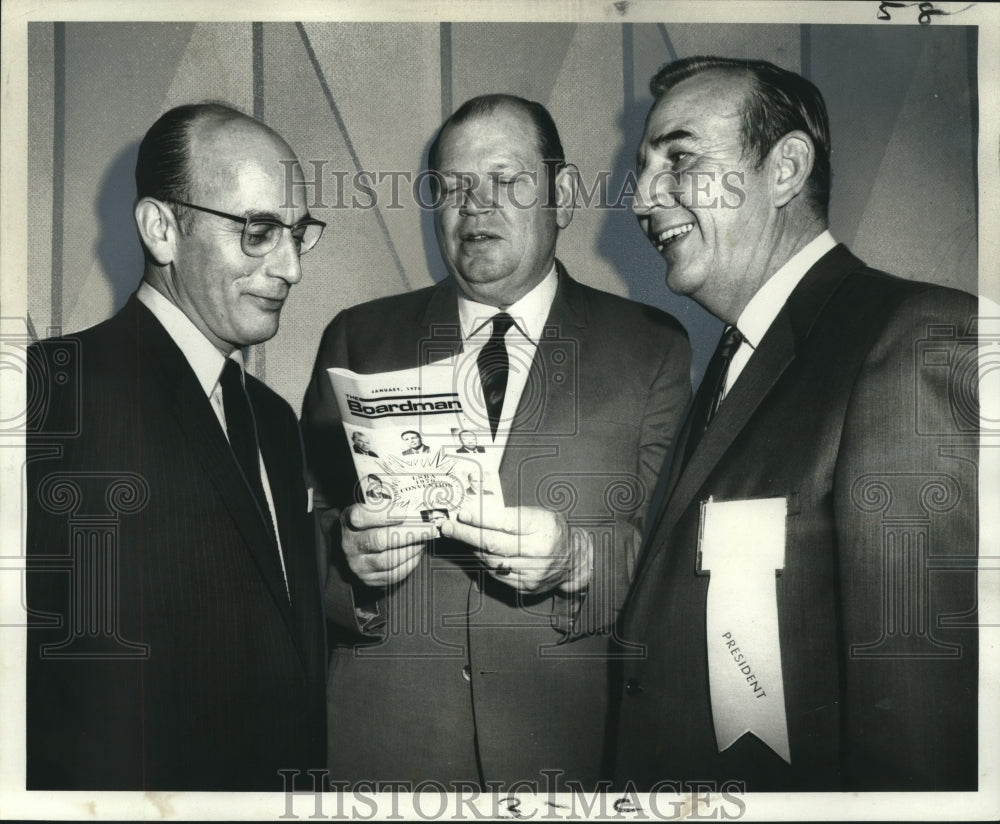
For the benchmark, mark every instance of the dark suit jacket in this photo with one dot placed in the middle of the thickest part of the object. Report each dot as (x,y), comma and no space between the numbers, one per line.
(859,408)
(164,653)
(452,668)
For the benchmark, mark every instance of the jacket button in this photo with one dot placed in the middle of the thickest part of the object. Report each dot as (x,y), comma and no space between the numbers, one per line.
(633,687)
(467,672)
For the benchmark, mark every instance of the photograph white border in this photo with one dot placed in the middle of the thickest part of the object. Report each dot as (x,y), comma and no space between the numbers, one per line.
(15,190)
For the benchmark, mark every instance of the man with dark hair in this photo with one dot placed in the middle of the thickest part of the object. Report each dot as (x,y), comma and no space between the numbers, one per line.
(176,640)
(375,489)
(414,443)
(470,443)
(777,102)
(480,656)
(785,630)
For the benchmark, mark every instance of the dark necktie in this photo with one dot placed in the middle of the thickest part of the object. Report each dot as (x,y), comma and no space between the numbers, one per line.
(710,393)
(493,369)
(243,434)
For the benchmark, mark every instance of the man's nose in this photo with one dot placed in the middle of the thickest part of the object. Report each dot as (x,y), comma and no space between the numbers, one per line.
(284,260)
(478,198)
(651,192)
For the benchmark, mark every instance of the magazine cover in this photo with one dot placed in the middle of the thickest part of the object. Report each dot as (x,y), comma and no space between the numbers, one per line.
(419,447)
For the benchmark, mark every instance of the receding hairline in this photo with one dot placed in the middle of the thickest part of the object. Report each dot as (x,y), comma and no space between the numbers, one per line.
(214,142)
(499,109)
(504,105)
(215,120)
(729,73)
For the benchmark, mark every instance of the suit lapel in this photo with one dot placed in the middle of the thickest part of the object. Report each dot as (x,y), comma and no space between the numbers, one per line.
(544,404)
(439,332)
(204,437)
(772,357)
(667,478)
(300,567)
(281,485)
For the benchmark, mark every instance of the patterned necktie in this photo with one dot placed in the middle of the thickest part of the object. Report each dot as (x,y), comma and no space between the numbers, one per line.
(710,393)
(243,435)
(493,368)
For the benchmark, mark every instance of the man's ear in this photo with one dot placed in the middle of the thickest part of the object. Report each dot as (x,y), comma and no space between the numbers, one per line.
(158,229)
(566,184)
(791,160)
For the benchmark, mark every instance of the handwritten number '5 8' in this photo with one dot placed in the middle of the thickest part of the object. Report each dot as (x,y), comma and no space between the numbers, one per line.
(927,11)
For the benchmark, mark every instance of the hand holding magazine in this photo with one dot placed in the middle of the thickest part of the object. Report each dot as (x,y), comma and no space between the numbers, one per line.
(423,451)
(419,453)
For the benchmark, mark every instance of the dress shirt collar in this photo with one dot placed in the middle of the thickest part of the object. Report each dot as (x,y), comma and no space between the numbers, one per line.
(529,313)
(200,353)
(763,308)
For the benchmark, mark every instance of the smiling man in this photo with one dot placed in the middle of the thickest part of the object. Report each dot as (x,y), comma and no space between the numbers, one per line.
(792,634)
(187,653)
(479,657)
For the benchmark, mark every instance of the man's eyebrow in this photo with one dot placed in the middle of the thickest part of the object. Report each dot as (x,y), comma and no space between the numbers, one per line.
(495,167)
(255,215)
(676,134)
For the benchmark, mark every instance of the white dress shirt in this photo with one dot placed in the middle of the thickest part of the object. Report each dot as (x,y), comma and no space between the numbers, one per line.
(207,363)
(763,308)
(529,314)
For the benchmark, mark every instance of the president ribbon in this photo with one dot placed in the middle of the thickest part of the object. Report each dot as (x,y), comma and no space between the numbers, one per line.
(742,547)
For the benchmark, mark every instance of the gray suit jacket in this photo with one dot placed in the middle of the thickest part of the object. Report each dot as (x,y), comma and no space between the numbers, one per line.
(454,677)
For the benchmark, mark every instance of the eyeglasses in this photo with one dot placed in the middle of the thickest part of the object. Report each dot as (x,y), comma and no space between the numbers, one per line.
(261,234)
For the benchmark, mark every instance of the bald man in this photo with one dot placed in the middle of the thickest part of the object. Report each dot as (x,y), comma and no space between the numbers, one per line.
(187,647)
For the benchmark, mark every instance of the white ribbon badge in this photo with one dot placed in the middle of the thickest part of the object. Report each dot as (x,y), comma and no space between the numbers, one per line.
(742,545)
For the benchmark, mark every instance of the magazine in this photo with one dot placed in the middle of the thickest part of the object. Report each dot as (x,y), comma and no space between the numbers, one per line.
(420,447)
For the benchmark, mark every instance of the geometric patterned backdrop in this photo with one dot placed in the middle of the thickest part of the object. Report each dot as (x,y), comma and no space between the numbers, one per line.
(368,96)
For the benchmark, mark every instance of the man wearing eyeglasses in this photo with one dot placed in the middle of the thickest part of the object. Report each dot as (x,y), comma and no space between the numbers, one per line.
(186,650)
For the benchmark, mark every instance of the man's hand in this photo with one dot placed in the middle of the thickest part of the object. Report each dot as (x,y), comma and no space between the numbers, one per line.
(528,548)
(379,550)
